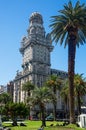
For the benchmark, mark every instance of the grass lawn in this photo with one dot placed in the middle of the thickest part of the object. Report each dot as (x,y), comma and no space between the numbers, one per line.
(34,125)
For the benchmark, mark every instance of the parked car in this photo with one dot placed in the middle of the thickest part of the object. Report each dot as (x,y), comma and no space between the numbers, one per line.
(49,118)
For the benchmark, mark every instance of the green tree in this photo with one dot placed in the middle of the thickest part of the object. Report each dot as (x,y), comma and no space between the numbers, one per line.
(5,98)
(54,83)
(65,96)
(80,89)
(14,110)
(70,28)
(40,96)
(28,87)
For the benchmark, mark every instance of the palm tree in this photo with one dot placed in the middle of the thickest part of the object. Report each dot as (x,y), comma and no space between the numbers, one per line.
(28,87)
(70,27)
(80,89)
(40,96)
(65,96)
(54,83)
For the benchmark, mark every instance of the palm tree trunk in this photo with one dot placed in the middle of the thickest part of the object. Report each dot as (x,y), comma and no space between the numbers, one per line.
(71,67)
(66,108)
(14,121)
(54,103)
(43,116)
(54,110)
(79,103)
(29,105)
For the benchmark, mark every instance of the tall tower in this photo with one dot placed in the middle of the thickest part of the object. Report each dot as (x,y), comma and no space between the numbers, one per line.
(35,50)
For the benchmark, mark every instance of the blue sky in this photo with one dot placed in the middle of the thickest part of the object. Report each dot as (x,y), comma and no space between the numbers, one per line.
(14,21)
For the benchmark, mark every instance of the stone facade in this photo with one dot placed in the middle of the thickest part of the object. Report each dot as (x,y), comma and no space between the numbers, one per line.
(36,67)
(10,88)
(35,50)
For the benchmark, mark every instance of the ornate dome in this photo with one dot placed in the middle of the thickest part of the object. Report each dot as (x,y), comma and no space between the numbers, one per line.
(36,17)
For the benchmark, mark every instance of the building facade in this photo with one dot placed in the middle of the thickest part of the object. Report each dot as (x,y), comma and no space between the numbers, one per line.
(35,50)
(10,88)
(36,64)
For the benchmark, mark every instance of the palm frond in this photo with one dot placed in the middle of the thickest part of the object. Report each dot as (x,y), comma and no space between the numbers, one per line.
(82,36)
(77,5)
(62,38)
(70,16)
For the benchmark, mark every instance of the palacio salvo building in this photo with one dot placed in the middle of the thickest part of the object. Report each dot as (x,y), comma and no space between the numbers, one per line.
(36,49)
